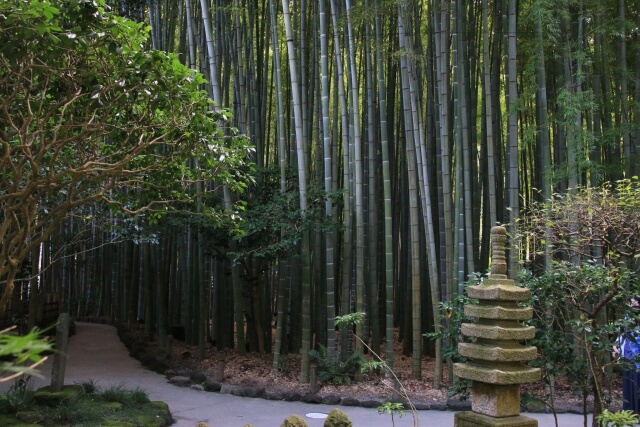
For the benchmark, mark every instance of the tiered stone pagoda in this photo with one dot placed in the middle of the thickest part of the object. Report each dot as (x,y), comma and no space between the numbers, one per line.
(497,358)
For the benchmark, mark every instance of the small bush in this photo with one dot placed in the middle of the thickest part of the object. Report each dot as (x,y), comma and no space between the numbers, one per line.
(73,408)
(138,396)
(19,396)
(118,393)
(115,393)
(391,408)
(453,314)
(83,405)
(89,387)
(64,412)
(294,421)
(617,419)
(337,418)
(334,370)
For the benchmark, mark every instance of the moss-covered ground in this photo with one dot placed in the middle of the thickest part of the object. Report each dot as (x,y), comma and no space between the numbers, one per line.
(81,405)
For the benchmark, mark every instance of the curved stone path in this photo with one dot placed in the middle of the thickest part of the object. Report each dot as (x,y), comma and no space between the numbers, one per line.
(95,353)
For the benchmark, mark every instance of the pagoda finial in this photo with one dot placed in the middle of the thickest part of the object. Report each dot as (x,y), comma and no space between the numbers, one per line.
(498,259)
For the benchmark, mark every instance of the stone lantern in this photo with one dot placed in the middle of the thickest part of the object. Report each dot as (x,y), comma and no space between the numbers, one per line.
(497,357)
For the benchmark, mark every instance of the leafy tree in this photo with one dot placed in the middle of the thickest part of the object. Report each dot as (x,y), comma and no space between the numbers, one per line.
(88,115)
(599,223)
(594,237)
(577,324)
(274,226)
(272,222)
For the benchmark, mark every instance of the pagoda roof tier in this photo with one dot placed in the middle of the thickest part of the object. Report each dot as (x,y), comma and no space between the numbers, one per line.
(502,374)
(499,352)
(495,332)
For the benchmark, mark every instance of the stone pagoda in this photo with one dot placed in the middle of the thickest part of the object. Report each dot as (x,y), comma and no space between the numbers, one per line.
(496,356)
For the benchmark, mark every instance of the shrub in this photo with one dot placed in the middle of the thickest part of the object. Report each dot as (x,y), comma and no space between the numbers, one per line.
(19,396)
(294,421)
(118,393)
(89,387)
(337,418)
(617,419)
(334,370)
(453,314)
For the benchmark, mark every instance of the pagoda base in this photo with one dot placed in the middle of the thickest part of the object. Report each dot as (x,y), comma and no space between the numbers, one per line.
(473,419)
(495,400)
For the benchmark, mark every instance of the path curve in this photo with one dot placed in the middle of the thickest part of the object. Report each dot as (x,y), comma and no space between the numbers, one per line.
(96,353)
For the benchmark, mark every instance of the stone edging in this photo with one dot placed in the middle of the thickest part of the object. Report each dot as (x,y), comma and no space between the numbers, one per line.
(198,381)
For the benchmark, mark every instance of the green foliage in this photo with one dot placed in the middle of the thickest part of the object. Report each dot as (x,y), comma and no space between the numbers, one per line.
(598,223)
(337,418)
(373,366)
(19,396)
(334,370)
(617,419)
(581,300)
(136,95)
(20,354)
(460,388)
(284,363)
(272,221)
(79,406)
(294,421)
(127,397)
(67,411)
(569,302)
(391,408)
(452,312)
(137,396)
(89,387)
(350,319)
(88,115)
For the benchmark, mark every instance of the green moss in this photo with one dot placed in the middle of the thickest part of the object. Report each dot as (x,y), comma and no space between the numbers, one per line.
(160,405)
(45,396)
(115,423)
(294,421)
(150,421)
(111,406)
(337,418)
(29,417)
(12,421)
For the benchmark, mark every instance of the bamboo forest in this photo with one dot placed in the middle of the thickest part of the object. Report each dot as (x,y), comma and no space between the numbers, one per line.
(247,171)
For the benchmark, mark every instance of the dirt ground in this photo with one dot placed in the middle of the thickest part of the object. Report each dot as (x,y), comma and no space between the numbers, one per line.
(255,370)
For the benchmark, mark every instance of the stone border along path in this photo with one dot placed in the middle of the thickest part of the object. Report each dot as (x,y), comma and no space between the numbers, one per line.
(96,353)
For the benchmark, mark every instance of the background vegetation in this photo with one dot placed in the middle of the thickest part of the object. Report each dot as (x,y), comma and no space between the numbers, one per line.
(389,137)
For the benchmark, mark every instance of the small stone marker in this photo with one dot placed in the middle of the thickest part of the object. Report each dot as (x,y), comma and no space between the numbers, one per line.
(313,379)
(497,358)
(219,374)
(60,356)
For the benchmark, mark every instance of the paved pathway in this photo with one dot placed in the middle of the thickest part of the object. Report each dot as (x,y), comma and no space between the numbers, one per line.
(96,353)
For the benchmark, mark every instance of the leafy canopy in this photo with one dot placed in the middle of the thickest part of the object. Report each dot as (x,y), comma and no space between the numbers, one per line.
(598,223)
(87,114)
